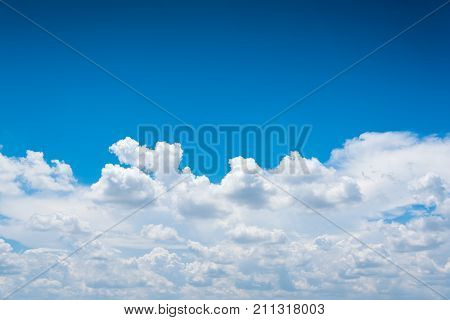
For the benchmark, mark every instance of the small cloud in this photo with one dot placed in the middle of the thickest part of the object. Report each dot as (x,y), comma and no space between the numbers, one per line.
(252,234)
(159,232)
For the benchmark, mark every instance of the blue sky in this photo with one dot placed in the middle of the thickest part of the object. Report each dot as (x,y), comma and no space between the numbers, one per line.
(212,63)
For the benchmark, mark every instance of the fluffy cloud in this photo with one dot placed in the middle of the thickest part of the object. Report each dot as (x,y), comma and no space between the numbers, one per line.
(34,173)
(160,233)
(245,234)
(163,161)
(4,247)
(57,222)
(118,184)
(244,237)
(430,189)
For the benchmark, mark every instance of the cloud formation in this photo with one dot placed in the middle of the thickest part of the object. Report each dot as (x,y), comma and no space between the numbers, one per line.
(245,237)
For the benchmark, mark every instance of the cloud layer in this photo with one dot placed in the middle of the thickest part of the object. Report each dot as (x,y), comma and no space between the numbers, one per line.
(250,236)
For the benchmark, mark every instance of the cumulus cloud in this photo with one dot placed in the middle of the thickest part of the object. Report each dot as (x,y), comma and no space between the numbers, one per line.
(4,247)
(429,189)
(160,233)
(57,222)
(244,237)
(249,234)
(118,184)
(33,173)
(163,161)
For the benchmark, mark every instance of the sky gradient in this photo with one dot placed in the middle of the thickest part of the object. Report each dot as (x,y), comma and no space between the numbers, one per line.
(244,60)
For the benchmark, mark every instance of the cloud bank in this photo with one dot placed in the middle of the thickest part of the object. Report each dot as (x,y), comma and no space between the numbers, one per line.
(245,237)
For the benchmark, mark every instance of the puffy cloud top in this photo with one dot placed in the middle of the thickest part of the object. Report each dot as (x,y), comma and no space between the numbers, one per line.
(33,173)
(248,236)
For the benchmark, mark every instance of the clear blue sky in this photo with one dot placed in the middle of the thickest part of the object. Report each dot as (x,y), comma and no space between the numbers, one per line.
(217,62)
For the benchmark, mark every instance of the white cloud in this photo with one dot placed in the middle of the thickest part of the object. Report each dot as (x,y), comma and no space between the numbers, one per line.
(159,232)
(429,189)
(249,234)
(4,247)
(127,185)
(163,161)
(57,222)
(241,238)
(33,173)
